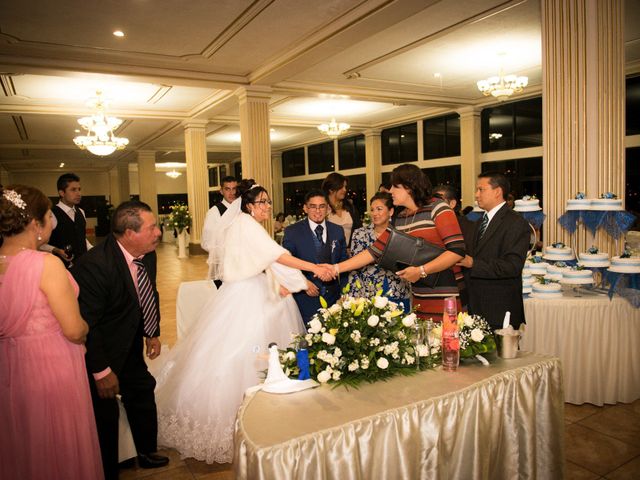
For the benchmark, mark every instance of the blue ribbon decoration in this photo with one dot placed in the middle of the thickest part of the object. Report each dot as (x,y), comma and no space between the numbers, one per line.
(569,220)
(592,219)
(474,216)
(627,285)
(617,223)
(534,218)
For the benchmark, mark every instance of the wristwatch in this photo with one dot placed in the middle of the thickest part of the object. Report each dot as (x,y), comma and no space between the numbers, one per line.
(423,274)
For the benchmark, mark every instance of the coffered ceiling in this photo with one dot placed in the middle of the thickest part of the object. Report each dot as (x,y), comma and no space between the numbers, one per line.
(370,63)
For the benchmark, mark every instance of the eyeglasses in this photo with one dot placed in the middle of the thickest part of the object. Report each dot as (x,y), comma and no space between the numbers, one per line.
(264,202)
(317,207)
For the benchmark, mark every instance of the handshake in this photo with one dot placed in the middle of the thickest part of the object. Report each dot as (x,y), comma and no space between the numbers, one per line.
(326,272)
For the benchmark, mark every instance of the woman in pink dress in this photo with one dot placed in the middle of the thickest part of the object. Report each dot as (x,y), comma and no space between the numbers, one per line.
(48,427)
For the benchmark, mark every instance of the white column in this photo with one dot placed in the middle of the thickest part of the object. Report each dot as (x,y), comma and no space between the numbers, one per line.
(147,179)
(195,147)
(119,183)
(470,147)
(373,160)
(583,108)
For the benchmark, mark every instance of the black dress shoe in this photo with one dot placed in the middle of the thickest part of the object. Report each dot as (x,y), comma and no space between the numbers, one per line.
(129,463)
(152,460)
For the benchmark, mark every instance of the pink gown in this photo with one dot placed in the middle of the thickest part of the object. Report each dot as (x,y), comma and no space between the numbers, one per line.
(47,425)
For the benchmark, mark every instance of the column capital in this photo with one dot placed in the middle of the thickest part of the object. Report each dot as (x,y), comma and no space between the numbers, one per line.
(146,153)
(194,123)
(255,93)
(470,111)
(372,132)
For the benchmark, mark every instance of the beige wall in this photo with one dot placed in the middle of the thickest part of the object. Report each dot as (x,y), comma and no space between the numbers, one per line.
(164,184)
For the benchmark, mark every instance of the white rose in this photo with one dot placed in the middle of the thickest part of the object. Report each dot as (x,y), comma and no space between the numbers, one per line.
(380,302)
(328,338)
(336,375)
(353,366)
(423,350)
(324,376)
(477,335)
(335,308)
(468,320)
(337,353)
(347,304)
(291,355)
(409,320)
(373,320)
(315,325)
(382,363)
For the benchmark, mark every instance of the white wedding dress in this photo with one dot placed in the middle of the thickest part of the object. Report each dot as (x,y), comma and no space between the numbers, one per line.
(202,383)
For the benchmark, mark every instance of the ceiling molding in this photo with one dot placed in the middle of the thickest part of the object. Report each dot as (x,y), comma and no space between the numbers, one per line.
(82,111)
(8,87)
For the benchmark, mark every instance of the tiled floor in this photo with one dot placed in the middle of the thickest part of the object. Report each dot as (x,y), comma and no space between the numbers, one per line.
(600,442)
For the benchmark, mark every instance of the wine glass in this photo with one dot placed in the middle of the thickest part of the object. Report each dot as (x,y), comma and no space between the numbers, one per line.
(68,251)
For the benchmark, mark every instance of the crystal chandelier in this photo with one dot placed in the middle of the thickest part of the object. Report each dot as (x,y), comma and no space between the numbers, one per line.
(100,139)
(173,174)
(502,87)
(333,129)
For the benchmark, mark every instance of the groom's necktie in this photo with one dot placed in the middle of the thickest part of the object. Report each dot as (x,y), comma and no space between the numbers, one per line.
(148,303)
(483,226)
(319,229)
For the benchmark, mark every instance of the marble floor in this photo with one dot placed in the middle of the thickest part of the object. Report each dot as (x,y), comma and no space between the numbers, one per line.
(600,442)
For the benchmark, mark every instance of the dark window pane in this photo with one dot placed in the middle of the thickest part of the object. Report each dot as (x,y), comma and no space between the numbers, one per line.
(444,176)
(442,137)
(453,136)
(632,188)
(633,106)
(167,199)
(528,123)
(391,146)
(213,176)
(223,171)
(525,175)
(351,152)
(409,142)
(357,192)
(497,128)
(237,169)
(294,193)
(293,162)
(321,158)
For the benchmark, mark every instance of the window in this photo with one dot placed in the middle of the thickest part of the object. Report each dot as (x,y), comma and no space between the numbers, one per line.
(321,158)
(400,144)
(351,152)
(237,170)
(525,175)
(441,137)
(167,199)
(292,162)
(294,193)
(445,176)
(357,192)
(213,176)
(633,106)
(632,188)
(512,125)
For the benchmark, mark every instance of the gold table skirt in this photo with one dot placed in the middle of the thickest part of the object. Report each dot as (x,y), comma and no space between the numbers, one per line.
(505,421)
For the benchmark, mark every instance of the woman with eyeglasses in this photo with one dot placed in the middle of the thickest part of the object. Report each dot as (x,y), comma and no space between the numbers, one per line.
(201,386)
(430,218)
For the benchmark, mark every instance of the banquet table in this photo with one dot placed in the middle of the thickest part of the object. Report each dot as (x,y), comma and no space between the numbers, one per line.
(501,421)
(597,341)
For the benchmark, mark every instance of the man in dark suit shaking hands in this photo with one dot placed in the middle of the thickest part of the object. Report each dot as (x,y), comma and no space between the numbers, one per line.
(497,254)
(315,240)
(119,301)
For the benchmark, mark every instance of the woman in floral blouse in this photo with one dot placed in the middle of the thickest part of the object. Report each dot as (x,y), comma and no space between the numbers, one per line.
(371,278)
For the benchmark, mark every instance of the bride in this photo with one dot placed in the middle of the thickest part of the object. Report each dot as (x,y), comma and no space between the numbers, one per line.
(201,386)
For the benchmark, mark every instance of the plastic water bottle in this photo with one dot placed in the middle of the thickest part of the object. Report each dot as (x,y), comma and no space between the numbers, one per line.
(450,336)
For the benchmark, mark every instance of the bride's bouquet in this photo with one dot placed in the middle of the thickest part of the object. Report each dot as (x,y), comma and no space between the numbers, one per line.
(360,339)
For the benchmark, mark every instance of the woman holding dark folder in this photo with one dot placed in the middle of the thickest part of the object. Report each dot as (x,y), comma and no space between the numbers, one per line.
(432,220)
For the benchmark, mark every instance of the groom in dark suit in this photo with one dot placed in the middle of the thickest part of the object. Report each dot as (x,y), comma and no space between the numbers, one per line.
(315,240)
(119,301)
(496,254)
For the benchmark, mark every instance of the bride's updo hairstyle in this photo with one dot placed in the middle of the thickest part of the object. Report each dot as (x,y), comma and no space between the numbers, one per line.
(19,205)
(249,191)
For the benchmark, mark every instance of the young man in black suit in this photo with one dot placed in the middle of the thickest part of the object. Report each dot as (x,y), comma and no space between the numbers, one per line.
(496,254)
(119,301)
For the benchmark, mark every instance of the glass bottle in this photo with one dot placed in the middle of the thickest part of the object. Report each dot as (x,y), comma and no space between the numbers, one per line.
(450,336)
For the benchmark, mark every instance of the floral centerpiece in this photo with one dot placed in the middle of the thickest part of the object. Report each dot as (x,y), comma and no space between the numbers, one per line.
(179,218)
(476,337)
(360,339)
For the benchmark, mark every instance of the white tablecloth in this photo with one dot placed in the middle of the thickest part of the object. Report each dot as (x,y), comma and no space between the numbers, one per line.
(190,300)
(597,341)
(501,421)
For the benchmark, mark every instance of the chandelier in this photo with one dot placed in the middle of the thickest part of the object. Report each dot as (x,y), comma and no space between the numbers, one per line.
(173,174)
(100,139)
(502,87)
(333,129)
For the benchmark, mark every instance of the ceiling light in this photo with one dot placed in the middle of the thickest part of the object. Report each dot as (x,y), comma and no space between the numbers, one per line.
(495,136)
(118,33)
(501,86)
(61,165)
(333,129)
(173,174)
(100,139)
